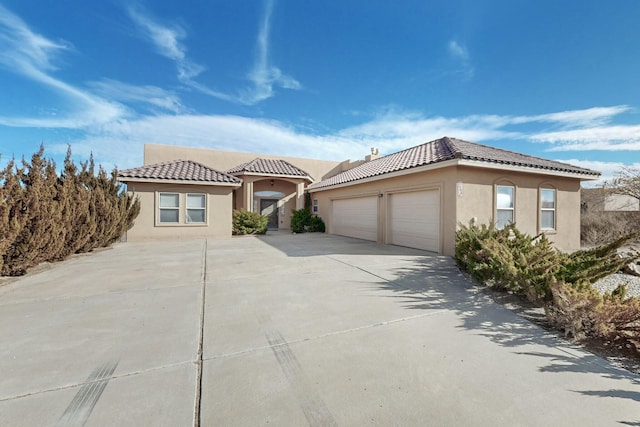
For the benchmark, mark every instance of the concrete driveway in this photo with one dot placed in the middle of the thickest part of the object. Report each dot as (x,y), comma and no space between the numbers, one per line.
(286,330)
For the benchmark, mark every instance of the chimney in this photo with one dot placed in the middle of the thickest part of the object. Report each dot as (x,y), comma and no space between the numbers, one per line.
(374,155)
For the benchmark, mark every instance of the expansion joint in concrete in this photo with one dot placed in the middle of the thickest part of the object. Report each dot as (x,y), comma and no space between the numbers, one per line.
(198,391)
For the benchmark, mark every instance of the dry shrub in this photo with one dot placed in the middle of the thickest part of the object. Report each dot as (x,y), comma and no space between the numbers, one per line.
(46,217)
(598,227)
(529,266)
(585,314)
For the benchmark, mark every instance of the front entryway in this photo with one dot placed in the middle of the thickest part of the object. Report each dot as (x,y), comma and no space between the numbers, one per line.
(269,207)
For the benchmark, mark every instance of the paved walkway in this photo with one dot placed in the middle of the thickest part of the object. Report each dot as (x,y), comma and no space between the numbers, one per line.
(294,330)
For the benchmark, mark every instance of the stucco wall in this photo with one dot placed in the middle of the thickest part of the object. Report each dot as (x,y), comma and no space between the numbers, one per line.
(468,192)
(219,203)
(478,201)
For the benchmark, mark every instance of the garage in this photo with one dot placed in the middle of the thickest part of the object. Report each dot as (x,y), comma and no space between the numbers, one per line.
(356,217)
(414,219)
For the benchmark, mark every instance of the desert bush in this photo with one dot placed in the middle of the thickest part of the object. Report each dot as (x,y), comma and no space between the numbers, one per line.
(562,283)
(44,217)
(510,260)
(588,266)
(246,222)
(303,221)
(585,314)
(600,227)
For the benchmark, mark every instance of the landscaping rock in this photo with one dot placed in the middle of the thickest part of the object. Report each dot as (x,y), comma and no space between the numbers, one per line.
(633,269)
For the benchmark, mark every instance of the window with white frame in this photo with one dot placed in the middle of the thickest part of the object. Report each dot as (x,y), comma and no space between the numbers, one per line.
(169,206)
(547,209)
(315,206)
(196,208)
(505,205)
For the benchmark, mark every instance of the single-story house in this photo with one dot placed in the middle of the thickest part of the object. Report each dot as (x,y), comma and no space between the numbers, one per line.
(415,197)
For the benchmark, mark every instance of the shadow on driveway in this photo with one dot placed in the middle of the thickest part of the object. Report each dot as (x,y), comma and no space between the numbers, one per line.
(432,282)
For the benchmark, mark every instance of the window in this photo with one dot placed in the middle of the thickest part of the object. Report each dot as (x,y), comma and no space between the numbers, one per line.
(181,209)
(196,208)
(315,206)
(547,209)
(505,202)
(169,207)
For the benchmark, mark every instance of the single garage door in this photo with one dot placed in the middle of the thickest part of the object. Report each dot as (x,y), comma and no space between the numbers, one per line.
(357,217)
(414,219)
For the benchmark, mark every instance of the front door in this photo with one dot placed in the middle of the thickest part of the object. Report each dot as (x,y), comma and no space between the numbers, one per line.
(269,207)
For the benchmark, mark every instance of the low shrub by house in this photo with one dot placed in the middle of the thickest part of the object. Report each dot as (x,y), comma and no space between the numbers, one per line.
(529,266)
(303,221)
(246,222)
(46,217)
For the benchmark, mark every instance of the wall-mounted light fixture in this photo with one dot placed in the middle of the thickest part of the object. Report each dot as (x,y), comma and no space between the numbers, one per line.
(380,195)
(271,182)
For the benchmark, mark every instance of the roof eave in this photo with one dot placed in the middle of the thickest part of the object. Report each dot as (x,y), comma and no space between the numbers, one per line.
(271,175)
(430,166)
(179,181)
(464,162)
(528,169)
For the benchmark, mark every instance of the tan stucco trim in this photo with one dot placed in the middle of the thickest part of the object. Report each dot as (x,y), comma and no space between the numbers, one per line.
(181,182)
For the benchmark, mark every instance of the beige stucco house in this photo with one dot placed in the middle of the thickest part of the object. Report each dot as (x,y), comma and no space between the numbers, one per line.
(415,198)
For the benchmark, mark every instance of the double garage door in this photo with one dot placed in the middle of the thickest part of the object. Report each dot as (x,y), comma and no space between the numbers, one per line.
(412,219)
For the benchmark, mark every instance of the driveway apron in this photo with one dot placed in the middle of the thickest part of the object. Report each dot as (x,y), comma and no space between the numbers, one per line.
(323,330)
(103,339)
(286,330)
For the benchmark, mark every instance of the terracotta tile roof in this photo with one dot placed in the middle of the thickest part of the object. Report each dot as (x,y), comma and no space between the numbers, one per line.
(179,170)
(268,167)
(444,149)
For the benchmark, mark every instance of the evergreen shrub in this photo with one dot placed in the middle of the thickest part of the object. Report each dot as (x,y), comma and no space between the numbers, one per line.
(509,260)
(46,217)
(246,222)
(303,221)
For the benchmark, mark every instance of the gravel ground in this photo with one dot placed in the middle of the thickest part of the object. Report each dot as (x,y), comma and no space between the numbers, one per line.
(609,283)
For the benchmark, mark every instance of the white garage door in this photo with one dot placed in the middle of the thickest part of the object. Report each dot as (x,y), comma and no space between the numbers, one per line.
(356,217)
(414,219)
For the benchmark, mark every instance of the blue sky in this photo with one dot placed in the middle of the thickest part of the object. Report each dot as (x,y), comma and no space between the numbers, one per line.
(325,80)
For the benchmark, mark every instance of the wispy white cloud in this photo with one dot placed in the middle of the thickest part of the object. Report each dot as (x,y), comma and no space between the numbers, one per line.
(147,94)
(458,51)
(265,76)
(588,116)
(168,41)
(611,136)
(120,142)
(31,55)
(461,57)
